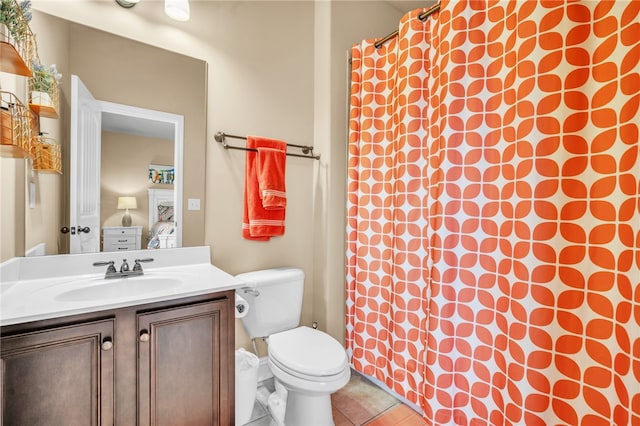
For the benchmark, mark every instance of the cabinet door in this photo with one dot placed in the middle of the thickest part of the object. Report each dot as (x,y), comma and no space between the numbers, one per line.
(59,376)
(183,370)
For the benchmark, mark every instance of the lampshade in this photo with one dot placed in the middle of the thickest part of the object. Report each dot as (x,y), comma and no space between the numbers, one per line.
(177,9)
(127,203)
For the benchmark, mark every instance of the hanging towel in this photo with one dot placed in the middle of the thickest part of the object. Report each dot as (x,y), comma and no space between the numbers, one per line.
(258,223)
(271,179)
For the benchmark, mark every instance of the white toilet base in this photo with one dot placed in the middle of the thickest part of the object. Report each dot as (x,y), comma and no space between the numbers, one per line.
(308,403)
(308,410)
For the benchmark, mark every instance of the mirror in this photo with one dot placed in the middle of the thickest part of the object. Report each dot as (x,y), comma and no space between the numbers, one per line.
(120,71)
(104,170)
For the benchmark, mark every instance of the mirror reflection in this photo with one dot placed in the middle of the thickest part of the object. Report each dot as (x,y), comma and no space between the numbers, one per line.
(97,161)
(137,175)
(137,155)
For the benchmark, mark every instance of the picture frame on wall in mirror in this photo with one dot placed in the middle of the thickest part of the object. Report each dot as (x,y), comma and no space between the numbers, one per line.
(161,174)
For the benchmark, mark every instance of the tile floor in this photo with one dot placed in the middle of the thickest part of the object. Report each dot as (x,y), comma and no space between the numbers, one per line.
(359,403)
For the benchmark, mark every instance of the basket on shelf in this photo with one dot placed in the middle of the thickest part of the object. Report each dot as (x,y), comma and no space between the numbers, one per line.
(43,88)
(16,127)
(17,42)
(47,156)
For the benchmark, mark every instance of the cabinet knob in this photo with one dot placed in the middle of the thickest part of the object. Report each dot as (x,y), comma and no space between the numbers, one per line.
(107,344)
(144,336)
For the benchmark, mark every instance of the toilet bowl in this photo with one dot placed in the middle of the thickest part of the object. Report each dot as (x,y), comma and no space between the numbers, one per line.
(308,363)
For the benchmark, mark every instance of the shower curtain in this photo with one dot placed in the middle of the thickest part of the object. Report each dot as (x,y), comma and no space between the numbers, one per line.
(493,213)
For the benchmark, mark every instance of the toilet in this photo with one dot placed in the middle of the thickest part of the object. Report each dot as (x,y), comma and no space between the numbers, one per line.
(308,363)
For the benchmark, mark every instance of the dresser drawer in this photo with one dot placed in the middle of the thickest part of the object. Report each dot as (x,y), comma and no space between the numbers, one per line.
(117,238)
(120,232)
(110,246)
(120,239)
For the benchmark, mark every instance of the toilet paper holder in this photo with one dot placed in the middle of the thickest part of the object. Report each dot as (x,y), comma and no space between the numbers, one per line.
(241,306)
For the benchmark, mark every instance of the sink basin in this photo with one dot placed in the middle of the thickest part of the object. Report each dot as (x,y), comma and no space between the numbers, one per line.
(116,288)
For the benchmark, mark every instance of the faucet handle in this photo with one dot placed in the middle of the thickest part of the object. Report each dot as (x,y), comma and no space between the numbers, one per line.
(138,266)
(110,264)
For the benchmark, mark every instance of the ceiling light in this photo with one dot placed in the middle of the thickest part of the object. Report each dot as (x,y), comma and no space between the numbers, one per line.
(177,9)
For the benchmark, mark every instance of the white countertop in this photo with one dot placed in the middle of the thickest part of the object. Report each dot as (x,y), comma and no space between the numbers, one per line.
(31,288)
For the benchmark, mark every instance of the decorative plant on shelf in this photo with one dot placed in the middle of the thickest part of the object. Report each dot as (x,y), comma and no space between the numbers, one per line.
(14,19)
(43,85)
(25,6)
(7,13)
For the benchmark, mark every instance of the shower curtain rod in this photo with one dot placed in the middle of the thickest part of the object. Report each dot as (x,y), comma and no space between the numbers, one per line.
(307,150)
(423,16)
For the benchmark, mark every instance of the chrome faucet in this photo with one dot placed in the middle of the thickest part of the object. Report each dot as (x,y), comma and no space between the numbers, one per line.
(124,268)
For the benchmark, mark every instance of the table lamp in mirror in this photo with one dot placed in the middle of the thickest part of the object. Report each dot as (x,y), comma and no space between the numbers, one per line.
(126,203)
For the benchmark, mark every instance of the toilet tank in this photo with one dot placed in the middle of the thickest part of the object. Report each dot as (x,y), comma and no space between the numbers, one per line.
(275,300)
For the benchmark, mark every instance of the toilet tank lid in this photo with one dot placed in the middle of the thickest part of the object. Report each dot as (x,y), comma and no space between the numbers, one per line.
(274,275)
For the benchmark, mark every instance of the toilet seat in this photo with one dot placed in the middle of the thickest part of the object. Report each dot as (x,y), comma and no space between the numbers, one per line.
(307,353)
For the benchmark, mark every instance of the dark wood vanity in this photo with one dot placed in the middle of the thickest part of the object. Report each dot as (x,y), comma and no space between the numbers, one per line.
(162,363)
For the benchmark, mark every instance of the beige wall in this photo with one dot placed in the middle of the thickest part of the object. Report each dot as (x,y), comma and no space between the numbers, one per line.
(12,210)
(43,223)
(125,161)
(44,220)
(277,69)
(12,172)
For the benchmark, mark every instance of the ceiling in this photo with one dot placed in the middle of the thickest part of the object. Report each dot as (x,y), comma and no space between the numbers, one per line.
(407,5)
(118,123)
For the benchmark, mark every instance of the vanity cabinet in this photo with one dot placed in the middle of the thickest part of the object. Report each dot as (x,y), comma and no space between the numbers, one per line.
(59,376)
(163,363)
(179,375)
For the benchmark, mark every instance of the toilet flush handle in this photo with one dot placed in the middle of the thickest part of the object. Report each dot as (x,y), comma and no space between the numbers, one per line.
(252,291)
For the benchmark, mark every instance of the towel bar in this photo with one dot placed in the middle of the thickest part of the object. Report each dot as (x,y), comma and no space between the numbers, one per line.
(306,150)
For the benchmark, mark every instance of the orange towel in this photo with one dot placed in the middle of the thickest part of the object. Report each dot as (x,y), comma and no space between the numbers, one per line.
(271,177)
(258,223)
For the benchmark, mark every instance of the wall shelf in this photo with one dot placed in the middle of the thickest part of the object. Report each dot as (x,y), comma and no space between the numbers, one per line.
(44,110)
(12,62)
(17,43)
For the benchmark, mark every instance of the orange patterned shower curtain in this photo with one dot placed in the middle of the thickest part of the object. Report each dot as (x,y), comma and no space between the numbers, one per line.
(493,235)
